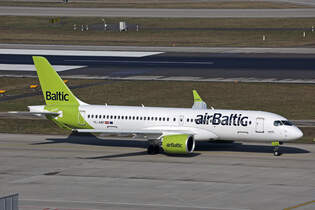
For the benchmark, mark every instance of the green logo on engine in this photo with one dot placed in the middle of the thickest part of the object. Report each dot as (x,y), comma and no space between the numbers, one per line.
(174,145)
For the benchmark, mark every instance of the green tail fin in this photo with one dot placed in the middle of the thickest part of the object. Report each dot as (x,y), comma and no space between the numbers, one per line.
(54,89)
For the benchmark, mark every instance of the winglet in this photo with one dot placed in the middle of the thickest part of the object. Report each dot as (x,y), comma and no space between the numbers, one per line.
(197,98)
(198,102)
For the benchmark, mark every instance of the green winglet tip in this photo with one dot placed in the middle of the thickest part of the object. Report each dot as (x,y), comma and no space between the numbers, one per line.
(196,96)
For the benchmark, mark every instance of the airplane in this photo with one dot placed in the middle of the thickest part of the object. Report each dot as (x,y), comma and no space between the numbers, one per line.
(168,130)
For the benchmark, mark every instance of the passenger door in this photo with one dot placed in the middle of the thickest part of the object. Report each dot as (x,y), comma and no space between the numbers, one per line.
(259,127)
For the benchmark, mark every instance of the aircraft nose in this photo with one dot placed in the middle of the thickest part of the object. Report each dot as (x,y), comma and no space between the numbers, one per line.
(299,133)
(295,133)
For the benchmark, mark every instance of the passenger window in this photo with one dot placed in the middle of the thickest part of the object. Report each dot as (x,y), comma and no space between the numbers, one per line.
(88,116)
(163,118)
(96,116)
(137,118)
(92,116)
(133,117)
(115,117)
(144,118)
(168,119)
(156,118)
(100,116)
(111,117)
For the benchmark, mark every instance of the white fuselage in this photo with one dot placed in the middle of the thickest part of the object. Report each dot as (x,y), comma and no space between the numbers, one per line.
(205,124)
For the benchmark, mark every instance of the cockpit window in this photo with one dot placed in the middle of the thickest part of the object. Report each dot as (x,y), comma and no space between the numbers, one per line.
(282,122)
(285,122)
(277,123)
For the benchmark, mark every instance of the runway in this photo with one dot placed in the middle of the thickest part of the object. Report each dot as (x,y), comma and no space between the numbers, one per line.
(163,13)
(91,173)
(185,66)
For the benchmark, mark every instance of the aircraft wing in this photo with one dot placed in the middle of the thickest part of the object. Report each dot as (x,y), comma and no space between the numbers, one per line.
(198,102)
(148,134)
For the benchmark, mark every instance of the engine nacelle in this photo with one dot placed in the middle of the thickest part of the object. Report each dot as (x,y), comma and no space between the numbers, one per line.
(178,144)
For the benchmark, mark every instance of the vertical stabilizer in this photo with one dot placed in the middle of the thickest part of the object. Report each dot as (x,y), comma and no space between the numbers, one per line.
(54,89)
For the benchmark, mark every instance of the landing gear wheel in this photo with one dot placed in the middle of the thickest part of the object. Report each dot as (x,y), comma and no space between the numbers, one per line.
(154,147)
(150,149)
(276,151)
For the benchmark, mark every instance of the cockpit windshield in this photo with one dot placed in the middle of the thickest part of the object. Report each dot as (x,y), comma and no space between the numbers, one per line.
(286,122)
(282,122)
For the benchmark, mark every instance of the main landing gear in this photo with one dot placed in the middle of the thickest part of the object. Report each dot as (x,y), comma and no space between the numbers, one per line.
(154,147)
(276,148)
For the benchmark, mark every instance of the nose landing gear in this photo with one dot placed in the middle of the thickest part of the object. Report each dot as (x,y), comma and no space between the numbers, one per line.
(276,149)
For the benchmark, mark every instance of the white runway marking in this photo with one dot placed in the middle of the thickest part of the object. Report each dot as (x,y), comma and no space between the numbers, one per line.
(78,53)
(31,67)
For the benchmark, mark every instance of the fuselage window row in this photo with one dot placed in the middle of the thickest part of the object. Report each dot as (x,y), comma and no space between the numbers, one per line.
(91,116)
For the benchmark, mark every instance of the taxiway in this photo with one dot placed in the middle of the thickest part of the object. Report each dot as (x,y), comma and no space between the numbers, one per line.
(50,171)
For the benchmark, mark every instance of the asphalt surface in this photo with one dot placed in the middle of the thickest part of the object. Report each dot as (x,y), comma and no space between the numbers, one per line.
(172,13)
(181,66)
(219,50)
(60,172)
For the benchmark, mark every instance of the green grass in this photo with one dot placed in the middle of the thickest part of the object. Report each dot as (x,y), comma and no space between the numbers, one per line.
(294,101)
(161,32)
(161,4)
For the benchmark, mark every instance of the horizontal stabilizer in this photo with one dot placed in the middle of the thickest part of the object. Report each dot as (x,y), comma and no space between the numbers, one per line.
(27,115)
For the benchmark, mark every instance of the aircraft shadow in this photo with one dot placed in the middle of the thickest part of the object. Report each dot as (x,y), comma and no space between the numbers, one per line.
(90,139)
(240,147)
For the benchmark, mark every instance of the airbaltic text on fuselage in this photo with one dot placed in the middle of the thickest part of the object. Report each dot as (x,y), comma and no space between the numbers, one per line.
(57,96)
(220,119)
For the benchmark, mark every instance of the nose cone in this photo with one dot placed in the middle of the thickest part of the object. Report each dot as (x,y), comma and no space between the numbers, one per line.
(299,134)
(295,133)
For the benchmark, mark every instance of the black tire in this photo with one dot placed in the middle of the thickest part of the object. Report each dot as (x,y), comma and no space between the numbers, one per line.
(150,149)
(276,153)
(156,149)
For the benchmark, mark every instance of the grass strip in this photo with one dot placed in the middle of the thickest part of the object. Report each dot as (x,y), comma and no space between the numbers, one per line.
(217,32)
